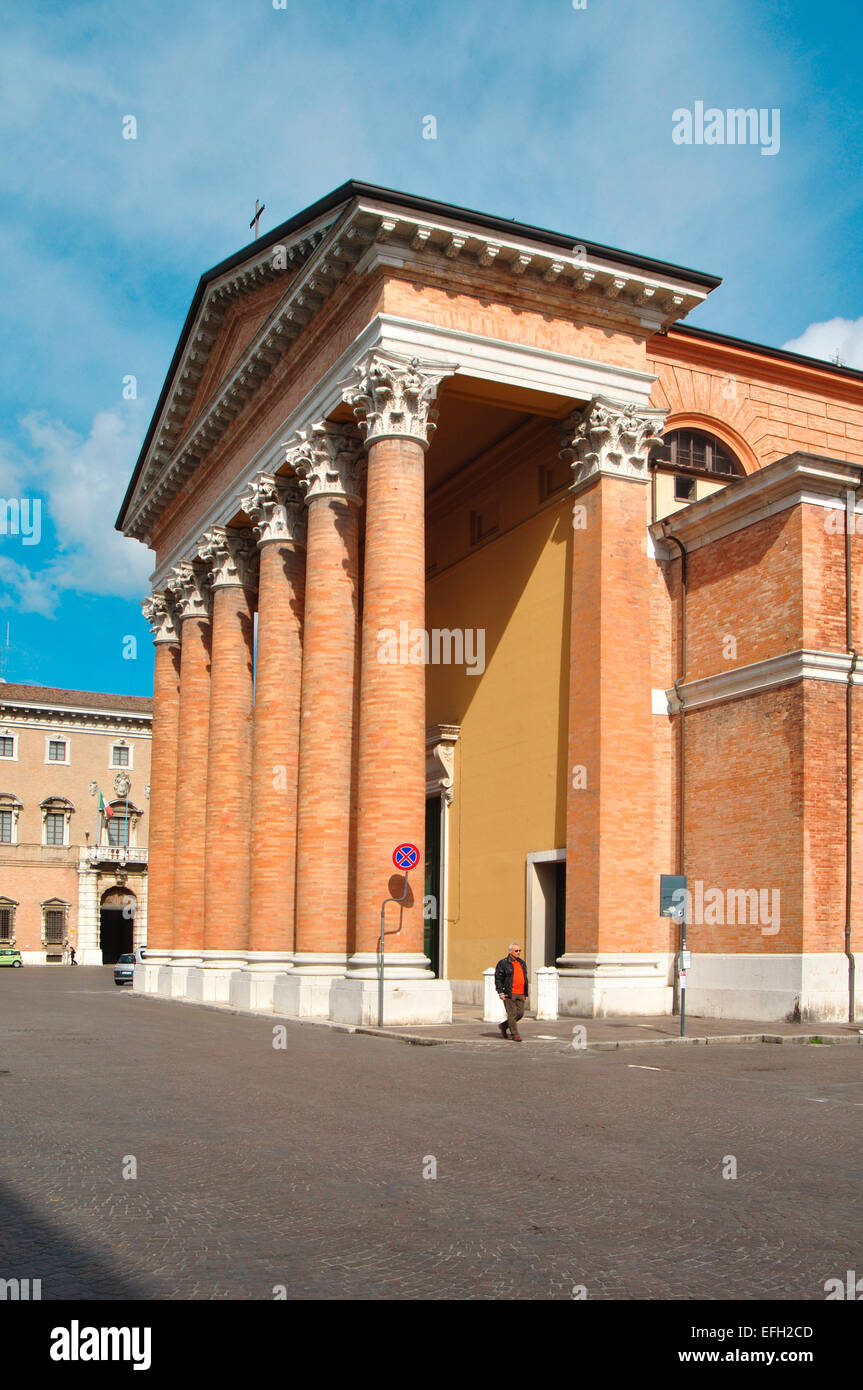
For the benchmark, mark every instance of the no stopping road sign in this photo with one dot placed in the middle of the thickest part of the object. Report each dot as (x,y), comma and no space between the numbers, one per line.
(406,857)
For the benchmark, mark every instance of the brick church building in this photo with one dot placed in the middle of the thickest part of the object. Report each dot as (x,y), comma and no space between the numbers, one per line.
(463,538)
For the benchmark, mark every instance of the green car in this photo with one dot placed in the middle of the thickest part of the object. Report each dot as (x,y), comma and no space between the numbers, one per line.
(10,955)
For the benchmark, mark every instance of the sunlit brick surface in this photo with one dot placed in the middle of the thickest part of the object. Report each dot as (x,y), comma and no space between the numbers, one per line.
(163,787)
(391,795)
(326,820)
(191,803)
(609,885)
(276,737)
(228,840)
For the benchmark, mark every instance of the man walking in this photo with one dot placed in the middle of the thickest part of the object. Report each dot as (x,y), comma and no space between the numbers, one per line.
(510,981)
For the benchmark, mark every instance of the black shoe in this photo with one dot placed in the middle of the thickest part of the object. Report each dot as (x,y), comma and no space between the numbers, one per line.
(502,1027)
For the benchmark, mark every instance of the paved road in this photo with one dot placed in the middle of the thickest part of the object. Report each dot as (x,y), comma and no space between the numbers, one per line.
(303,1167)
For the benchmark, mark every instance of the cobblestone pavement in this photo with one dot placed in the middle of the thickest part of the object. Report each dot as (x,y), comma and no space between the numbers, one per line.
(303,1167)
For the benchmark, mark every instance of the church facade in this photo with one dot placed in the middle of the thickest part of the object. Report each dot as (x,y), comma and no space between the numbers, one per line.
(465,540)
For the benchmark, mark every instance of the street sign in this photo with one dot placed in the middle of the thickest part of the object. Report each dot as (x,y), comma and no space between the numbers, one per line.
(406,857)
(672,889)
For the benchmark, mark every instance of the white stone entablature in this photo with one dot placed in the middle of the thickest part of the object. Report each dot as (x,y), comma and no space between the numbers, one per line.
(364,233)
(473,355)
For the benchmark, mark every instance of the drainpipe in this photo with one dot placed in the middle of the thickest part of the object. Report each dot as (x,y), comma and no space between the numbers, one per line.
(681,844)
(850,500)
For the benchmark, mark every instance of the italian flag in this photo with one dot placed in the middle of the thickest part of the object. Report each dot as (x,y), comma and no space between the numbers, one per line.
(106,811)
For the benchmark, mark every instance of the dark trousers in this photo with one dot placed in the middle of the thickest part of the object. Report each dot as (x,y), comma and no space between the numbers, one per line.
(514,1011)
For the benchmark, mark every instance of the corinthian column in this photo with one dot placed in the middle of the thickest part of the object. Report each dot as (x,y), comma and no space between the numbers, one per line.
(164,624)
(228,555)
(393,401)
(275,507)
(614,959)
(189,586)
(325,459)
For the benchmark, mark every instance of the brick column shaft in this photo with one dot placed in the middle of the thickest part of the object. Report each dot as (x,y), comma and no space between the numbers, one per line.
(229,788)
(275,764)
(391,773)
(191,798)
(163,793)
(610,889)
(326,817)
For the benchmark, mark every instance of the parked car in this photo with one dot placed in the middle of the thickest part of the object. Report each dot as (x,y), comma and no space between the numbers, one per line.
(124,970)
(10,955)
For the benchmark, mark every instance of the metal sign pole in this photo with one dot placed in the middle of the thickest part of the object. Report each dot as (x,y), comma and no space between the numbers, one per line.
(683,974)
(381,965)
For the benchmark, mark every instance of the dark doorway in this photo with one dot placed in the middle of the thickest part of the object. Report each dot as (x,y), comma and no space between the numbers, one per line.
(431,906)
(116,924)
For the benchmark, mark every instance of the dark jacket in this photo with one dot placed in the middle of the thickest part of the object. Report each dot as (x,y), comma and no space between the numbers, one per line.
(503,977)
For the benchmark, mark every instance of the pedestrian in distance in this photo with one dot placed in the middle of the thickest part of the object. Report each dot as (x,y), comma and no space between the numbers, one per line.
(510,981)
(72,960)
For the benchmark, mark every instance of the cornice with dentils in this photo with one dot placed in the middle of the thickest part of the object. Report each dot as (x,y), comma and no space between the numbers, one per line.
(365,234)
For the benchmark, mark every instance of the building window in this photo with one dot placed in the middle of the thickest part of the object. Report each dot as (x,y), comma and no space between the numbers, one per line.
(118,827)
(697,449)
(120,755)
(7,746)
(58,750)
(10,808)
(684,488)
(7,919)
(54,825)
(54,923)
(56,815)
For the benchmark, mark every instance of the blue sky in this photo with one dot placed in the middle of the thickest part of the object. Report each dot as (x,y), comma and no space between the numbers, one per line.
(546,113)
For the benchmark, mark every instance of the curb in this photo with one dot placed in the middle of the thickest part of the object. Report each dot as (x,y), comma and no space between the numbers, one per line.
(603,1045)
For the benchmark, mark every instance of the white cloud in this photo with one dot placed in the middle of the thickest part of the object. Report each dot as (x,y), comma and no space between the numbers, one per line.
(842,338)
(81,482)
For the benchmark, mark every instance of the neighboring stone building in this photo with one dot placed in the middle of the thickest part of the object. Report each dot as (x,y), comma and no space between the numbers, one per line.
(70,874)
(563,592)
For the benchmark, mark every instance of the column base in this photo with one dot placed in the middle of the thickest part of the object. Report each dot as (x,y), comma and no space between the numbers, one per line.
(613,983)
(252,986)
(91,955)
(406,1001)
(210,982)
(805,988)
(171,983)
(398,965)
(302,996)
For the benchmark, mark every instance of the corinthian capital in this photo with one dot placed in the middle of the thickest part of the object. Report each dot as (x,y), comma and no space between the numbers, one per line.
(393,398)
(188,585)
(327,461)
(228,554)
(275,508)
(160,612)
(610,437)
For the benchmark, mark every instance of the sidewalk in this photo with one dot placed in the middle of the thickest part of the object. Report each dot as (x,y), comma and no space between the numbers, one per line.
(609,1033)
(599,1034)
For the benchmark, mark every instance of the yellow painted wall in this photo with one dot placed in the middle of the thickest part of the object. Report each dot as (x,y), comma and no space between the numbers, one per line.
(510,772)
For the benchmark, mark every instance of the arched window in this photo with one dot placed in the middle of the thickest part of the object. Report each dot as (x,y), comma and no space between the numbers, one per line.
(10,810)
(56,815)
(122,822)
(697,449)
